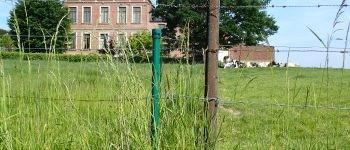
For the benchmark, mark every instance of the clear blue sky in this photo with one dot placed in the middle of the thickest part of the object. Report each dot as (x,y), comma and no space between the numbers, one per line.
(293,23)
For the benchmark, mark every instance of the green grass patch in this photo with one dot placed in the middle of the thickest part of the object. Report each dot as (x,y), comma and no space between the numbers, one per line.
(49,104)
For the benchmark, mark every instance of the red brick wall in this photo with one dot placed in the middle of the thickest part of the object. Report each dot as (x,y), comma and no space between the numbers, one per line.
(252,53)
(112,28)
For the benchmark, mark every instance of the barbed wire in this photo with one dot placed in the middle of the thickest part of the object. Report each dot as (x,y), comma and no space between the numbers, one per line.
(207,6)
(225,102)
(252,6)
(293,47)
(223,46)
(49,36)
(235,50)
(78,100)
(231,102)
(228,50)
(284,50)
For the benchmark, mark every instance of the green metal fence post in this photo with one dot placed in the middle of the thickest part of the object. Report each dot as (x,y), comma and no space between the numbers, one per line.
(156,35)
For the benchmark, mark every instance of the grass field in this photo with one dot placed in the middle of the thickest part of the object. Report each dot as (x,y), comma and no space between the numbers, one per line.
(104,105)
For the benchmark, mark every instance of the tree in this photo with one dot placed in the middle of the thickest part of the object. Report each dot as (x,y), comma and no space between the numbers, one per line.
(6,42)
(3,32)
(141,41)
(43,26)
(248,25)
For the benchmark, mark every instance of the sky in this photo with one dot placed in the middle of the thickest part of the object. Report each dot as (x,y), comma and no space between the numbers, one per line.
(293,31)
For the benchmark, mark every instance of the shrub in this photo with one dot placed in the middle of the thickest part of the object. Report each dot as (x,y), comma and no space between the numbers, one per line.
(86,58)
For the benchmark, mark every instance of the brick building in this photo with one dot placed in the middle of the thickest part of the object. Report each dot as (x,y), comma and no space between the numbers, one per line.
(258,53)
(96,21)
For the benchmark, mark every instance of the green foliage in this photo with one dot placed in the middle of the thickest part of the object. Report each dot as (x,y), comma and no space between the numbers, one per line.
(45,56)
(221,64)
(6,42)
(85,58)
(245,25)
(237,25)
(141,41)
(3,32)
(103,105)
(34,19)
(97,105)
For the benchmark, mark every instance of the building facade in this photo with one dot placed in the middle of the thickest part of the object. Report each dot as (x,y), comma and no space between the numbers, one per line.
(97,22)
(258,53)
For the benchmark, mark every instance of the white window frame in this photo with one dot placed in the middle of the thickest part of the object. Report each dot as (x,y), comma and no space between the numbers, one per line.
(132,15)
(125,36)
(82,14)
(126,14)
(82,41)
(99,38)
(109,14)
(133,33)
(76,40)
(76,8)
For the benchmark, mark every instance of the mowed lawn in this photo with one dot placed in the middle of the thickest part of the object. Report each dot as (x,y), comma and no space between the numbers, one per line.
(103,105)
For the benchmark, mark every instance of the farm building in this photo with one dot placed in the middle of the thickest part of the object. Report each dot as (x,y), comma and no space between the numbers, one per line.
(97,21)
(259,53)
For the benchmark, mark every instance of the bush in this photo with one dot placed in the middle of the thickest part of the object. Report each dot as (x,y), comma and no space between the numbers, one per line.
(6,42)
(142,41)
(45,56)
(86,58)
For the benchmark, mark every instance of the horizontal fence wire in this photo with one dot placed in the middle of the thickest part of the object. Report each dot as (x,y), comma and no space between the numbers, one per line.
(234,102)
(223,47)
(291,47)
(74,99)
(207,6)
(251,51)
(220,102)
(50,36)
(286,50)
(252,6)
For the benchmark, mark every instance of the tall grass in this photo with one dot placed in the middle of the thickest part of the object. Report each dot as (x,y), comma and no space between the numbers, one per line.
(106,105)
(55,105)
(327,43)
(96,105)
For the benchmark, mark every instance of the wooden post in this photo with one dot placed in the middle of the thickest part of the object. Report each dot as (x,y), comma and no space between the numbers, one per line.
(211,67)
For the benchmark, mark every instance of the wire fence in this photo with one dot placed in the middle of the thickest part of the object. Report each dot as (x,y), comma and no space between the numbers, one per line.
(207,6)
(220,102)
(252,6)
(277,49)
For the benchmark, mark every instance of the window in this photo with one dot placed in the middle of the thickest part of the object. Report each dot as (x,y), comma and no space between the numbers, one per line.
(73,41)
(86,41)
(104,15)
(122,15)
(103,40)
(121,40)
(87,15)
(136,15)
(73,14)
(161,26)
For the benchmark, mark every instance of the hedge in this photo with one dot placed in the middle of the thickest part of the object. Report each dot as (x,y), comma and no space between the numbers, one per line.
(85,58)
(45,56)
